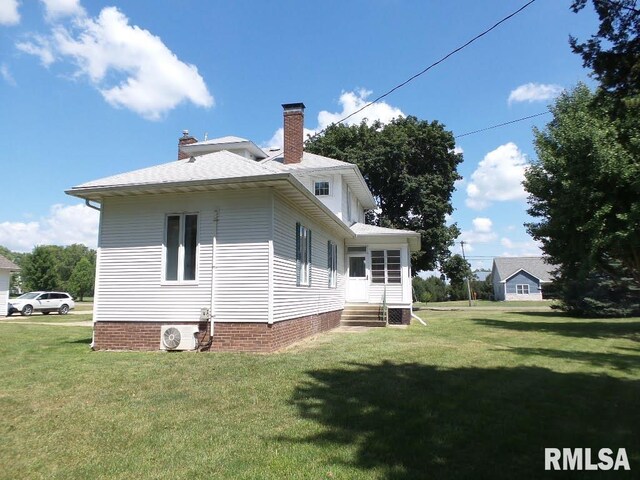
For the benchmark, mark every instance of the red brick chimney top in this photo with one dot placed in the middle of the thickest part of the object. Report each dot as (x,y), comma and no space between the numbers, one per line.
(185,139)
(293,132)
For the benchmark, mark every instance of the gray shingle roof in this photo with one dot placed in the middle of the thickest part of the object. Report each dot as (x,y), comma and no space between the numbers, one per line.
(6,264)
(506,267)
(310,161)
(218,165)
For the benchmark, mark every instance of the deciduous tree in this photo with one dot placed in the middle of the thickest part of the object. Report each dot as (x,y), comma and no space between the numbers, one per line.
(410,167)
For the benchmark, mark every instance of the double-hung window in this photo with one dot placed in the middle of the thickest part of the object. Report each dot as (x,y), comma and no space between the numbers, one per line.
(522,289)
(321,188)
(303,255)
(181,247)
(385,266)
(332,263)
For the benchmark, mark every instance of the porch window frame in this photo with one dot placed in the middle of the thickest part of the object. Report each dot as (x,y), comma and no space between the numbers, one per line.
(386,277)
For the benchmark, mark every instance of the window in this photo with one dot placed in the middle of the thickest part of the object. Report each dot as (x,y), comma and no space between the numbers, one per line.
(332,263)
(385,266)
(321,188)
(181,246)
(522,289)
(357,267)
(303,255)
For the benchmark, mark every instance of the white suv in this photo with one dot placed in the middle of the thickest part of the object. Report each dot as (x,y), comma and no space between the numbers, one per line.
(45,302)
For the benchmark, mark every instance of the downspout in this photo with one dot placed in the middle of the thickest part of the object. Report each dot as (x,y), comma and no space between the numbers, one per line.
(416,317)
(96,279)
(87,202)
(213,272)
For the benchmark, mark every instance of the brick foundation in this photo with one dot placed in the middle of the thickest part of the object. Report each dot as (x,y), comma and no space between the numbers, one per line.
(227,337)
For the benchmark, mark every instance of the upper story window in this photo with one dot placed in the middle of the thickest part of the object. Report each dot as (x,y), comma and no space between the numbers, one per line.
(181,247)
(321,188)
(386,266)
(303,255)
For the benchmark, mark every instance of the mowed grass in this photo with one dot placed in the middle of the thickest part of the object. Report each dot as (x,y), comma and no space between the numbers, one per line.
(472,395)
(50,318)
(488,304)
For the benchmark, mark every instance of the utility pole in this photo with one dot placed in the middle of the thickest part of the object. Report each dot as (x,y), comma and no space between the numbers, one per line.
(468,282)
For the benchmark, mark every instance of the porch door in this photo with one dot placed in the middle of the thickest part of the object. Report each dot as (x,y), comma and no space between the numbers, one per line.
(358,277)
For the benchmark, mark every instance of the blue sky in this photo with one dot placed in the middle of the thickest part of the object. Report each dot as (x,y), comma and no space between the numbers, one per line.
(91,88)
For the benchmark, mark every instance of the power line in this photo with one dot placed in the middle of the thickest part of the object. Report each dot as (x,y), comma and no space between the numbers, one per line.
(422,72)
(502,124)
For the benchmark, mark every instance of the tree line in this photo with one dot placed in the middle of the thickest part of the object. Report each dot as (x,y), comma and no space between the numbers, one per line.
(53,267)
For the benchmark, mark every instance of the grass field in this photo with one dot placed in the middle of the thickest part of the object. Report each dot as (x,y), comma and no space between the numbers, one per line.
(487,304)
(472,395)
(51,318)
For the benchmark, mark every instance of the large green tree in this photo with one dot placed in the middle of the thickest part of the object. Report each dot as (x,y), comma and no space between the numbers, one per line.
(585,194)
(410,167)
(81,280)
(613,52)
(40,269)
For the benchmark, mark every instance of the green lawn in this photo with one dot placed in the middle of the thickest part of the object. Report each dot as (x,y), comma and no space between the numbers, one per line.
(487,304)
(475,394)
(51,318)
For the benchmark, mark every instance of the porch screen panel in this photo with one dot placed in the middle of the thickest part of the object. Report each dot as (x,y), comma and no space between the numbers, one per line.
(377,266)
(190,246)
(172,246)
(394,270)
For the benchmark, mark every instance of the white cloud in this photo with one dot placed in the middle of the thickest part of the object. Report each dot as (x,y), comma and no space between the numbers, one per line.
(534,92)
(40,47)
(107,50)
(498,177)
(9,14)
(482,224)
(5,73)
(65,225)
(351,102)
(63,8)
(458,149)
(520,249)
(482,231)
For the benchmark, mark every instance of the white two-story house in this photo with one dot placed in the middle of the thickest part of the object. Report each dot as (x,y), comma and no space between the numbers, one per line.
(241,248)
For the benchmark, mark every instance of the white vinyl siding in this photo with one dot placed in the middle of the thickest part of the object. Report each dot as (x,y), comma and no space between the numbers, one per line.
(4,291)
(130,284)
(289,300)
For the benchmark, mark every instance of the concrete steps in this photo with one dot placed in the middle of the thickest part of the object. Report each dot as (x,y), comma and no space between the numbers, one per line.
(362,315)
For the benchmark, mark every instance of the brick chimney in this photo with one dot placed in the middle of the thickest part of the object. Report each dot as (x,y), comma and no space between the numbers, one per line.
(185,139)
(293,132)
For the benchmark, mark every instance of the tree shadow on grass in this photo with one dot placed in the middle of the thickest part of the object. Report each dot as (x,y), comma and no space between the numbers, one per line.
(85,341)
(585,329)
(414,421)
(618,361)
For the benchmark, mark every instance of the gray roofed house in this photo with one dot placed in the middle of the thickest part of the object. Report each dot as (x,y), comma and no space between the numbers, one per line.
(239,248)
(520,278)
(6,267)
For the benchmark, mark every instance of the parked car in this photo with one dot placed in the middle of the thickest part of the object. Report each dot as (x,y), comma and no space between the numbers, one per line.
(45,302)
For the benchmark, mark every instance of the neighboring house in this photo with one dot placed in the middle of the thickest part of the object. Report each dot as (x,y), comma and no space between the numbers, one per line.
(6,267)
(254,249)
(520,278)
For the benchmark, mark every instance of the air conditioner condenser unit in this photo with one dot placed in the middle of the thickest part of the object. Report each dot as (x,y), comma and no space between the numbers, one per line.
(178,337)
